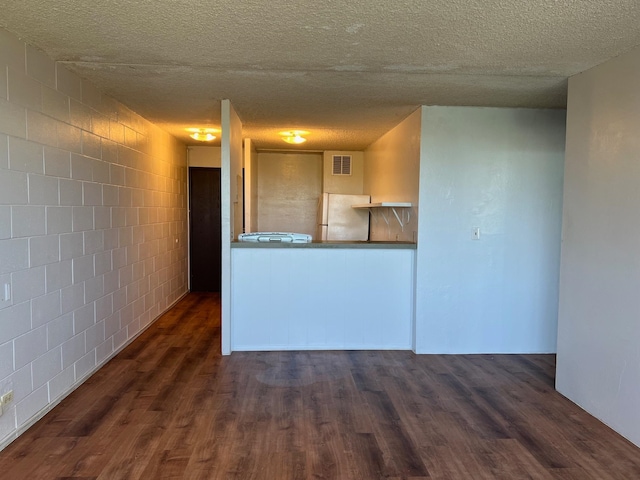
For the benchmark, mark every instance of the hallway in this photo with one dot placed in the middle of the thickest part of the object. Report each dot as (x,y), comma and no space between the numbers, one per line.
(170,406)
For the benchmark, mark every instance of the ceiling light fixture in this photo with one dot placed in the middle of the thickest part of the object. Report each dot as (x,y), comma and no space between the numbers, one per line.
(203,134)
(294,136)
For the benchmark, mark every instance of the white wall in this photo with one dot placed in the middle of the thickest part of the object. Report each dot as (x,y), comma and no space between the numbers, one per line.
(391,172)
(203,156)
(289,186)
(250,185)
(500,170)
(346,184)
(92,202)
(598,364)
(322,298)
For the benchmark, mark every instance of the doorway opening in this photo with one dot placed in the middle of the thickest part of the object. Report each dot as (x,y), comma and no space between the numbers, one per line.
(205,260)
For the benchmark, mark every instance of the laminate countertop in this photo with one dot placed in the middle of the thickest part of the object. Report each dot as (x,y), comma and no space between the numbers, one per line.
(328,244)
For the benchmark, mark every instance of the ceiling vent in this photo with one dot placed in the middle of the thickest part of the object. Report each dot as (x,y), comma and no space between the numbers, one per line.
(341,165)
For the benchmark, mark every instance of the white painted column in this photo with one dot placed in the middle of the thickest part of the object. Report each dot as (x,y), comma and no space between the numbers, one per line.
(231,166)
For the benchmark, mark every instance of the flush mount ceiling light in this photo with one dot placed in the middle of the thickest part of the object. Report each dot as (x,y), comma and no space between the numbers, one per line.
(294,136)
(203,134)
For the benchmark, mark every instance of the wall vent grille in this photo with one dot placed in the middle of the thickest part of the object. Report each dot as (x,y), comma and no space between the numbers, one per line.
(341,165)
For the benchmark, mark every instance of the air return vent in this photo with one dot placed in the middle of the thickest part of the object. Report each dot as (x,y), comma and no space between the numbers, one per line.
(341,165)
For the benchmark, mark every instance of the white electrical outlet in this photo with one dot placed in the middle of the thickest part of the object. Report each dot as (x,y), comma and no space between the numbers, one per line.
(476,233)
(6,398)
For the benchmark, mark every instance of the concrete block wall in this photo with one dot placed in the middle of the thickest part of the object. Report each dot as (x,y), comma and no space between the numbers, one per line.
(93,229)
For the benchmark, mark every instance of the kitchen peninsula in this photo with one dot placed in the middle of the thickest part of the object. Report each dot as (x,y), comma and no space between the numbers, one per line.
(322,296)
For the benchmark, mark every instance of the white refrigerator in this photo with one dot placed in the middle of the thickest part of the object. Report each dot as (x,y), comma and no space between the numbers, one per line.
(338,221)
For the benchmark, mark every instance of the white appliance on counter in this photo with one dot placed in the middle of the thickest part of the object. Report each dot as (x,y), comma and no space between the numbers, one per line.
(337,220)
(275,237)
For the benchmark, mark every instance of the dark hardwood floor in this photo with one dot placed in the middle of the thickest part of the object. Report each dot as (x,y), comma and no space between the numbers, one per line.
(170,406)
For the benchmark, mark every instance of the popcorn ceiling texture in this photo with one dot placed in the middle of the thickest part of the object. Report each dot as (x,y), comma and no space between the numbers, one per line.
(347,71)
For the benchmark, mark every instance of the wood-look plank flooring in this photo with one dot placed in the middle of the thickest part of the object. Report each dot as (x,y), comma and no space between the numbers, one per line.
(170,406)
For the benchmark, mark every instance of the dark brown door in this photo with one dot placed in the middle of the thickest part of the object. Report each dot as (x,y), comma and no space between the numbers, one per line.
(204,220)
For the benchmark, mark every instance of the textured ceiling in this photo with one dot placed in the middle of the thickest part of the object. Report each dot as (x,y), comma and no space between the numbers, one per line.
(347,71)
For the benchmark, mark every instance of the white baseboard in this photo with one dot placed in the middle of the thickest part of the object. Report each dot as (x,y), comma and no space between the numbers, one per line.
(284,347)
